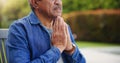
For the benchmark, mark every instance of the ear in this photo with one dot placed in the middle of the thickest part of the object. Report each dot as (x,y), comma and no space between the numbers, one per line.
(34,3)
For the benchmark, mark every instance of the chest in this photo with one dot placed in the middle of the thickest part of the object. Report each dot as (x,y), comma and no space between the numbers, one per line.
(39,41)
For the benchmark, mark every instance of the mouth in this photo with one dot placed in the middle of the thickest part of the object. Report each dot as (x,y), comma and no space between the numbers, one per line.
(58,9)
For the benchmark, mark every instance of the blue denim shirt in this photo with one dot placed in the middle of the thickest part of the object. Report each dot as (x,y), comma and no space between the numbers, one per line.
(29,42)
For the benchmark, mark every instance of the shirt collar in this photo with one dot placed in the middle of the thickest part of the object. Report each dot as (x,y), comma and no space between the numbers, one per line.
(33,18)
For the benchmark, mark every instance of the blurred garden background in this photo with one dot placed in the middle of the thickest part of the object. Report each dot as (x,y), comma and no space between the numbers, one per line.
(90,20)
(95,25)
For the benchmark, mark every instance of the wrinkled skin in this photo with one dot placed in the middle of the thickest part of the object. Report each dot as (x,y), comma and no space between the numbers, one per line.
(60,36)
(49,12)
(48,8)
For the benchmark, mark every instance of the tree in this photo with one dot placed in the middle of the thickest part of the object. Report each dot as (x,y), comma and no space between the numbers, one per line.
(73,5)
(15,9)
(0,13)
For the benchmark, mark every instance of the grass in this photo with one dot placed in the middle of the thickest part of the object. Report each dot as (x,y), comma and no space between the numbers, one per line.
(94,44)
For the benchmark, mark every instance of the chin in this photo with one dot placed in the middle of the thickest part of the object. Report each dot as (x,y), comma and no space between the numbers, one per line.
(58,14)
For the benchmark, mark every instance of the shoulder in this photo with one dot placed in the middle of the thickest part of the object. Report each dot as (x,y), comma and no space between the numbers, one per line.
(19,26)
(20,22)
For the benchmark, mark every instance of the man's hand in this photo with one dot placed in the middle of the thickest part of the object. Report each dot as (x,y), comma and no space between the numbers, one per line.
(69,48)
(59,36)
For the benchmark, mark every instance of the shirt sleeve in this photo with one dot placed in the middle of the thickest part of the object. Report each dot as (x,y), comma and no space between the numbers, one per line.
(76,57)
(17,48)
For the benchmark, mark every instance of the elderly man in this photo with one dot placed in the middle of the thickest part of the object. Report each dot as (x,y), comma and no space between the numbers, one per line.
(42,36)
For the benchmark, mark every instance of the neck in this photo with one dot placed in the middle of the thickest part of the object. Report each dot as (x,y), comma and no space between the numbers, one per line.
(45,20)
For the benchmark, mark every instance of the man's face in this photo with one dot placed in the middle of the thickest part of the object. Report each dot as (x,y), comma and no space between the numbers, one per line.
(51,8)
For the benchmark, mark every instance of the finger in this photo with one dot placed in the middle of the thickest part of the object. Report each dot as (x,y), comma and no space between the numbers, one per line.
(65,30)
(55,25)
(60,25)
(65,27)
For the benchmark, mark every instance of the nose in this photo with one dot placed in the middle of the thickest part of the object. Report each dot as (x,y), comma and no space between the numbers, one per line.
(58,2)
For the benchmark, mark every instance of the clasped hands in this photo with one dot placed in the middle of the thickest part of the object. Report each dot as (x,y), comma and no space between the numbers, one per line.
(60,36)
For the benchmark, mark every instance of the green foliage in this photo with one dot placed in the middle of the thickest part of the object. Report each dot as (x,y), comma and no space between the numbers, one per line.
(85,26)
(12,10)
(73,5)
(15,9)
(0,13)
(96,27)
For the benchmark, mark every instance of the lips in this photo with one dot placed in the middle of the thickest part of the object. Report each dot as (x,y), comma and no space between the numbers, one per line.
(59,9)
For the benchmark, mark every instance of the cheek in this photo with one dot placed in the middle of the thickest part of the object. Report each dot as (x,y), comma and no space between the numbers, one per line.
(50,9)
(42,7)
(47,6)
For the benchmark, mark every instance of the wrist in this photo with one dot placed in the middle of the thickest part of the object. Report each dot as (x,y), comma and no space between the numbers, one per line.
(71,50)
(60,48)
